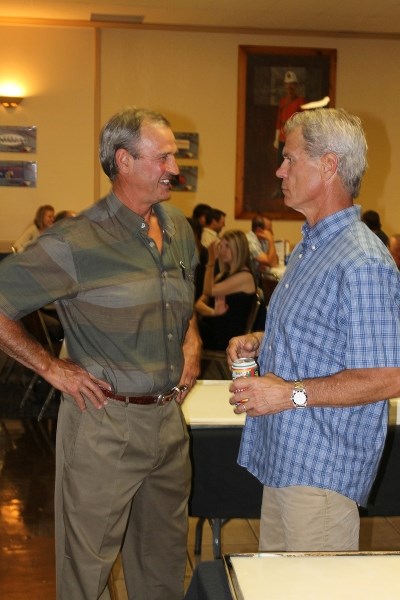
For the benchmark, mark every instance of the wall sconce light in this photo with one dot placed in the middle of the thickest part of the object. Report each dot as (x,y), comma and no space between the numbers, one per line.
(10,101)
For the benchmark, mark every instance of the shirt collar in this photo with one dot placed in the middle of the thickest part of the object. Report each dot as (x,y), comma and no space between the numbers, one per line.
(330,226)
(134,222)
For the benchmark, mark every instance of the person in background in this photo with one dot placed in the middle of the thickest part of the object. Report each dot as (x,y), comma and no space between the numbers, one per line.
(228,298)
(198,221)
(203,258)
(330,356)
(121,274)
(199,213)
(394,248)
(64,214)
(261,244)
(43,219)
(372,220)
(214,224)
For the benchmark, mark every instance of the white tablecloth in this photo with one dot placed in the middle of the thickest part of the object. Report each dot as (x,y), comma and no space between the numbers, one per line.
(207,404)
(279,577)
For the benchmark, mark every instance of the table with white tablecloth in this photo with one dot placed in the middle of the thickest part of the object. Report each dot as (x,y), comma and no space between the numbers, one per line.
(221,489)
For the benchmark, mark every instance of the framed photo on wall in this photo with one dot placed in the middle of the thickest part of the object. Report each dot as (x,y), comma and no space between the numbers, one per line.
(14,173)
(272,82)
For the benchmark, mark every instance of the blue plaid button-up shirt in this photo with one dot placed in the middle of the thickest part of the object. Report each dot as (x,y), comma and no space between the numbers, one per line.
(336,308)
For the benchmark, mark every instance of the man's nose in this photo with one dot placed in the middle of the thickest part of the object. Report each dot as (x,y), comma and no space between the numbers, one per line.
(281,171)
(173,166)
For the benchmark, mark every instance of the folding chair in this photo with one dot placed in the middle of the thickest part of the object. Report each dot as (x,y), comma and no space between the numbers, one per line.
(35,324)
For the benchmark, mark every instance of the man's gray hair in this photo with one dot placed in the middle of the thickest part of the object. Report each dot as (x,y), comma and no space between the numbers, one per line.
(123,131)
(335,130)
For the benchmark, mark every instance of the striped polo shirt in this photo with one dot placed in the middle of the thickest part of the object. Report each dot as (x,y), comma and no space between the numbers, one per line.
(124,306)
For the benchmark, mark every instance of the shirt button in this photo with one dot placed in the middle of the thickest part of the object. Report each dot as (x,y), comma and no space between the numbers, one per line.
(300,256)
(286,285)
(143,225)
(170,337)
(167,305)
(313,248)
(151,244)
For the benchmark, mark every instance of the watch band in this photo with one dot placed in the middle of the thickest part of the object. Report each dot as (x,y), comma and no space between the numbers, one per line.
(299,395)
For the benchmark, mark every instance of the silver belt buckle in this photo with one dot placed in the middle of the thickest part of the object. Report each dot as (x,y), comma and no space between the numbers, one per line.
(166,397)
(172,395)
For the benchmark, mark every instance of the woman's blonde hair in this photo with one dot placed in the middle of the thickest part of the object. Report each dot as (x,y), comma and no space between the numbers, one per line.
(237,242)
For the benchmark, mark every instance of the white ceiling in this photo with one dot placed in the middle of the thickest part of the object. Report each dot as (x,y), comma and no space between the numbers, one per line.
(361,16)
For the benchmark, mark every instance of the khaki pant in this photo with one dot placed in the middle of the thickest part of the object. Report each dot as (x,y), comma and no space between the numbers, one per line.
(306,519)
(124,462)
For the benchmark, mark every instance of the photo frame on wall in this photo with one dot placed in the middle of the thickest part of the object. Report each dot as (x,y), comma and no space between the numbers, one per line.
(14,173)
(265,76)
(187,143)
(186,181)
(17,139)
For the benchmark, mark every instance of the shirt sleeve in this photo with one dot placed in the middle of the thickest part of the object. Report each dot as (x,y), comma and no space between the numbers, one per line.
(254,246)
(42,274)
(370,308)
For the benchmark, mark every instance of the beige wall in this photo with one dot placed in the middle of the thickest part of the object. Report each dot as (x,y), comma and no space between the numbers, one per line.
(56,65)
(192,78)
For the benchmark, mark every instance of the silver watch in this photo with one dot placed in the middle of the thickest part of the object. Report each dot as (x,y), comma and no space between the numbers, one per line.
(299,395)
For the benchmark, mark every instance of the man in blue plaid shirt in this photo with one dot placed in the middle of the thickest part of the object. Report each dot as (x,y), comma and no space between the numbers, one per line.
(330,356)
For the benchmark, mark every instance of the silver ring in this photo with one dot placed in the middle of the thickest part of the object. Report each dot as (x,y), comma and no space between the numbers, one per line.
(244,407)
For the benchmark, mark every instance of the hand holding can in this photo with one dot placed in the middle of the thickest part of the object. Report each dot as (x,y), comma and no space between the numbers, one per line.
(244,367)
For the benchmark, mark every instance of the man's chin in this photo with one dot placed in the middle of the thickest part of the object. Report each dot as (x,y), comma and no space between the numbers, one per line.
(164,193)
(288,202)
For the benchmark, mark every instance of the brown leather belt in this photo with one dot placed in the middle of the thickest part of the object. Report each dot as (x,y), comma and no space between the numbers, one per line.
(160,399)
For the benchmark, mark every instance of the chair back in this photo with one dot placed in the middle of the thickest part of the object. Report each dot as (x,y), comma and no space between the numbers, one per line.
(268,284)
(253,314)
(35,324)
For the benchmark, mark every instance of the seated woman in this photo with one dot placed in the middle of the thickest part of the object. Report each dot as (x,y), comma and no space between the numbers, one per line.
(228,298)
(44,218)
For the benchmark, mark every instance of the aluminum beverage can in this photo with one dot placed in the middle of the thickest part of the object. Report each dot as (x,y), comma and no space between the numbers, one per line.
(244,367)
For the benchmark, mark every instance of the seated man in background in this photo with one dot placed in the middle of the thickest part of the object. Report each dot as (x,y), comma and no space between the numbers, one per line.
(261,244)
(214,224)
(199,213)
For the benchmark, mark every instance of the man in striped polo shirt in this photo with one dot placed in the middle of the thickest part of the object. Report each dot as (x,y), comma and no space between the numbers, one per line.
(121,274)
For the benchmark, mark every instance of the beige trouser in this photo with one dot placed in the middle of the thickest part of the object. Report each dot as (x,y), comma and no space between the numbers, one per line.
(110,461)
(306,519)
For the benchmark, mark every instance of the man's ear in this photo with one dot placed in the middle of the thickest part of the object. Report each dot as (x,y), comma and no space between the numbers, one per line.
(328,165)
(122,159)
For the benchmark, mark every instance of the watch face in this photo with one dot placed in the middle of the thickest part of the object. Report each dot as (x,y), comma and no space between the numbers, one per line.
(299,398)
